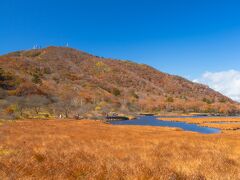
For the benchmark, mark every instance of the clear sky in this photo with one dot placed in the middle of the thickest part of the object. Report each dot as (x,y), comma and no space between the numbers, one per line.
(183,37)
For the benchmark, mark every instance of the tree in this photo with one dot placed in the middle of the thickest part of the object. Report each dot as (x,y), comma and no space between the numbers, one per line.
(22,104)
(3,93)
(85,109)
(66,103)
(28,89)
(37,102)
(15,105)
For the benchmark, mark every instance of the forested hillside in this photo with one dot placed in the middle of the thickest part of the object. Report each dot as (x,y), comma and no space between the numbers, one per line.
(58,80)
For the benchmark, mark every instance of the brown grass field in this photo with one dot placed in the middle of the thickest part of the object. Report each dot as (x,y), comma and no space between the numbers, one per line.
(69,149)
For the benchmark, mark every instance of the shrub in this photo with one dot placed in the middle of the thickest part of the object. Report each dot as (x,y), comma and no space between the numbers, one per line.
(133,94)
(16,54)
(7,80)
(170,99)
(56,79)
(9,110)
(26,89)
(47,70)
(39,157)
(36,79)
(208,101)
(222,100)
(101,67)
(116,92)
(33,53)
(46,115)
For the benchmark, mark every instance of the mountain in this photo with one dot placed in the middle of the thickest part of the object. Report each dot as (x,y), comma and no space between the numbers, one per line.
(60,79)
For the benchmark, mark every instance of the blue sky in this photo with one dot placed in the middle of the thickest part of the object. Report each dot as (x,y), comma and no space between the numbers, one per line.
(183,37)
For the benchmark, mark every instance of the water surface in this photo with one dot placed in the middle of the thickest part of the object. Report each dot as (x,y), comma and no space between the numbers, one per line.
(153,121)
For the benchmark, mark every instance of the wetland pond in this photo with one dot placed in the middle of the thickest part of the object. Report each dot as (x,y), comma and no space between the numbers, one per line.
(153,121)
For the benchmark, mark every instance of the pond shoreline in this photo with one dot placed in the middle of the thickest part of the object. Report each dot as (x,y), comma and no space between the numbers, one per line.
(154,121)
(211,122)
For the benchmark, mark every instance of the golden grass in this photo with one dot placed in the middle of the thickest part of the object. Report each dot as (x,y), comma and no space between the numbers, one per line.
(94,150)
(213,122)
(5,152)
(222,126)
(166,114)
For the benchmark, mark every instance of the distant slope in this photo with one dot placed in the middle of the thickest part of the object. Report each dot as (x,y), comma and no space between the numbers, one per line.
(103,85)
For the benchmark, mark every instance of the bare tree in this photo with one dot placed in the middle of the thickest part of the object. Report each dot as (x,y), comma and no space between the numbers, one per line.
(37,102)
(66,105)
(21,105)
(85,108)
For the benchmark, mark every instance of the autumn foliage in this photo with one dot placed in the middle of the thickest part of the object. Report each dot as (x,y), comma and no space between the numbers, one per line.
(96,85)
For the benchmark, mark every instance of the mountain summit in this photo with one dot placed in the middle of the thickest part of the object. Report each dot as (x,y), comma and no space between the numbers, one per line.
(79,82)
